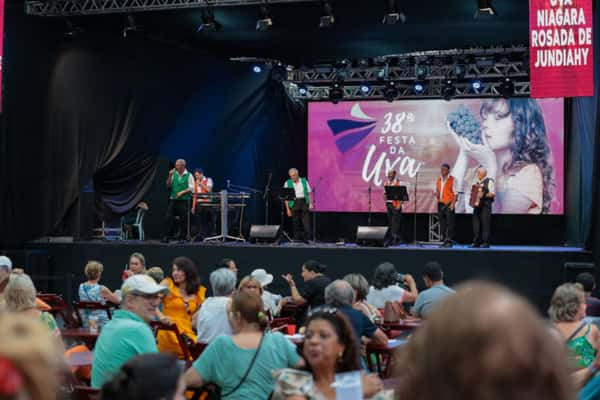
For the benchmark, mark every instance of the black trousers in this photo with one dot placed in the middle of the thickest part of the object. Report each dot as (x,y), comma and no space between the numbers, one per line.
(204,222)
(394,223)
(177,210)
(301,220)
(446,218)
(482,221)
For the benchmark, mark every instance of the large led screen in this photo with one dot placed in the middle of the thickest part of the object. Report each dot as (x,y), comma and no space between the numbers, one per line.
(352,145)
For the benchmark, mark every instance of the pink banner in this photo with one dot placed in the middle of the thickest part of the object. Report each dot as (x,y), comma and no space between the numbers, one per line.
(352,145)
(1,47)
(560,46)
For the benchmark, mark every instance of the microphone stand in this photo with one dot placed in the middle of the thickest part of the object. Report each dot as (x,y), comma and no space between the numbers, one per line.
(415,210)
(314,213)
(266,198)
(370,205)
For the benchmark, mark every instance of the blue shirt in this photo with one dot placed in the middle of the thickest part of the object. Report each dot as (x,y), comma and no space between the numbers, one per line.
(427,299)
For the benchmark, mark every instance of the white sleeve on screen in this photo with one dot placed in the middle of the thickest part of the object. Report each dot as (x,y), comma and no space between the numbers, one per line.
(524,191)
(308,187)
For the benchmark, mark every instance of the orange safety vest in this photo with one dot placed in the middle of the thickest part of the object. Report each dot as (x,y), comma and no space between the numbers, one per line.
(202,191)
(447,195)
(397,204)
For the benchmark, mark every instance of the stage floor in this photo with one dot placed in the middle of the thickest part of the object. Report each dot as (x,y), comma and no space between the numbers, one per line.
(533,271)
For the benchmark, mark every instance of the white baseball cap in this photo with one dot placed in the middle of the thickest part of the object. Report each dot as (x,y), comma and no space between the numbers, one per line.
(262,276)
(141,284)
(6,262)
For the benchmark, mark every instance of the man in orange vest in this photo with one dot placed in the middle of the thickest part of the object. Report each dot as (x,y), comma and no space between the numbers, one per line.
(394,212)
(203,185)
(446,199)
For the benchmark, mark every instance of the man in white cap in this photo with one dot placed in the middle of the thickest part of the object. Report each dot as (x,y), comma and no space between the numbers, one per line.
(5,270)
(127,334)
(270,300)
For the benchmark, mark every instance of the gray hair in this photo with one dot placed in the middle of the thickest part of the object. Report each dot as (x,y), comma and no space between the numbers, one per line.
(565,302)
(339,293)
(182,160)
(222,282)
(293,170)
(139,256)
(360,284)
(20,293)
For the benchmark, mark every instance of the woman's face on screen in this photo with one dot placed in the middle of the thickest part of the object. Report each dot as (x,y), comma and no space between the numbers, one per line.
(498,126)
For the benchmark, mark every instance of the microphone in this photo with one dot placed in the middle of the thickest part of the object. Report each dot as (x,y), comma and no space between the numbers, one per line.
(228,184)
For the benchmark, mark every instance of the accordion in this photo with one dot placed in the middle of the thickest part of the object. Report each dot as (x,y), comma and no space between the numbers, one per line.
(476,195)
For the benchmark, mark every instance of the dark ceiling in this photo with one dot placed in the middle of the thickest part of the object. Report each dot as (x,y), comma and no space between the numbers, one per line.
(358,31)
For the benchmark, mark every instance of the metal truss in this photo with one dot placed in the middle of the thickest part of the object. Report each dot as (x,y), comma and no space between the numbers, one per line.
(69,8)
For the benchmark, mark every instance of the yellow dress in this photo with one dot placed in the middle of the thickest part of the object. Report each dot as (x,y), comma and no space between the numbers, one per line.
(175,308)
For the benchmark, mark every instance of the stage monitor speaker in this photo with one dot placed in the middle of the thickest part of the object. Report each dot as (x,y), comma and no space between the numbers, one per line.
(371,235)
(265,233)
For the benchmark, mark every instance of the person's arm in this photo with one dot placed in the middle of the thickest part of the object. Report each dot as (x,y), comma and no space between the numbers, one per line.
(296,296)
(410,295)
(192,378)
(583,375)
(311,204)
(491,189)
(417,307)
(379,338)
(170,178)
(453,203)
(110,296)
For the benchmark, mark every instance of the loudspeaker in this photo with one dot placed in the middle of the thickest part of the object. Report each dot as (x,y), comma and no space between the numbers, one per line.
(371,235)
(265,233)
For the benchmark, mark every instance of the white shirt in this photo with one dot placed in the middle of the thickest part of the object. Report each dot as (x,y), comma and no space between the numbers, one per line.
(208,181)
(378,297)
(299,189)
(212,319)
(490,184)
(270,301)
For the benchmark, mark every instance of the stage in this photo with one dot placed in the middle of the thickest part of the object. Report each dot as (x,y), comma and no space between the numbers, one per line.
(534,271)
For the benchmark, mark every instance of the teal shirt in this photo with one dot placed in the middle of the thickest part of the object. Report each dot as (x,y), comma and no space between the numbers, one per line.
(126,335)
(224,363)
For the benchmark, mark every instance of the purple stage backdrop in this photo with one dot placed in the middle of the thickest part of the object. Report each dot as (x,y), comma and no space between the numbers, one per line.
(351,145)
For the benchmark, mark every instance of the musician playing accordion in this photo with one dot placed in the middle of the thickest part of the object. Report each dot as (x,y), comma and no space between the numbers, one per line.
(482,197)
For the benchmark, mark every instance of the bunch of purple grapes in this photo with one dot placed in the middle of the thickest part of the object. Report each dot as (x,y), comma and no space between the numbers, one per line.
(464,124)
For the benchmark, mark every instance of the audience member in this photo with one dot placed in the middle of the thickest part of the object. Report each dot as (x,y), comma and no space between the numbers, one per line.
(93,291)
(5,270)
(147,376)
(588,282)
(230,264)
(156,273)
(19,297)
(212,318)
(567,312)
(31,359)
(385,286)
(484,342)
(329,347)
(436,291)
(127,334)
(313,294)
(340,294)
(137,265)
(250,284)
(241,365)
(361,288)
(270,300)
(180,305)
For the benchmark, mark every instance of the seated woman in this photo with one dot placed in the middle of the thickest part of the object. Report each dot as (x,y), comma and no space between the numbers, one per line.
(241,364)
(361,289)
(20,297)
(212,319)
(567,312)
(180,305)
(329,347)
(93,291)
(385,287)
(270,300)
(147,376)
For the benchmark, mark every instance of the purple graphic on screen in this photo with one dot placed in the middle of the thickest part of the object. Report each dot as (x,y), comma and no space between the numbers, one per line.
(351,146)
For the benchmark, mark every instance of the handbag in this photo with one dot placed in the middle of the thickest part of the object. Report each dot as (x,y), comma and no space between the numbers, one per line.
(393,311)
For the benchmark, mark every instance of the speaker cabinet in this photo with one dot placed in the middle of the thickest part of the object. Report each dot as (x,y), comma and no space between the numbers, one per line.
(265,233)
(371,235)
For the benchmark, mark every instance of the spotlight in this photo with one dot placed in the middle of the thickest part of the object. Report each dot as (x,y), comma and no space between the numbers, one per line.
(209,23)
(365,88)
(265,22)
(485,7)
(302,90)
(363,63)
(336,92)
(421,71)
(390,91)
(507,88)
(392,15)
(327,18)
(448,91)
(257,68)
(476,86)
(132,27)
(419,87)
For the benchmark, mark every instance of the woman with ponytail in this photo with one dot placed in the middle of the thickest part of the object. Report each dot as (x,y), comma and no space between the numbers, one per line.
(241,364)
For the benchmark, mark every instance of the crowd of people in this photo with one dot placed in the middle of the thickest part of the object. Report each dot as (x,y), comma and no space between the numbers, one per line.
(477,340)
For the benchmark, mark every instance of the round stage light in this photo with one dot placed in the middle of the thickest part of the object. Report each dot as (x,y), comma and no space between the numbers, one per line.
(257,69)
(419,87)
(476,85)
(302,90)
(365,88)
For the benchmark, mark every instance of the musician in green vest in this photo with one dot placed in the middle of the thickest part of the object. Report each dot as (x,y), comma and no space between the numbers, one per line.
(299,209)
(181,184)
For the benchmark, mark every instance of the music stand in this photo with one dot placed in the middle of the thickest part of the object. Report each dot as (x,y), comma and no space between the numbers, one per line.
(396,193)
(283,194)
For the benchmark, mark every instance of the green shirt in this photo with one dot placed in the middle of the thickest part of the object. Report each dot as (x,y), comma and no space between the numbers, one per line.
(224,363)
(126,335)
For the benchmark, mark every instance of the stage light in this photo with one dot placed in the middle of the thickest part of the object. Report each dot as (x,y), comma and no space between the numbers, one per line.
(392,15)
(365,88)
(390,91)
(279,72)
(336,92)
(421,71)
(265,22)
(209,23)
(257,68)
(327,18)
(303,90)
(419,87)
(485,7)
(448,91)
(132,27)
(363,63)
(71,30)
(507,88)
(476,85)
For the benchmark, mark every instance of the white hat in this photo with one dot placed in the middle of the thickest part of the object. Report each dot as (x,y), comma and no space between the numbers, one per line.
(6,262)
(141,284)
(262,276)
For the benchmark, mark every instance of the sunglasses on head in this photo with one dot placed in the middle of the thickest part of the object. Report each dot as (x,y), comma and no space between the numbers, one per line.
(327,310)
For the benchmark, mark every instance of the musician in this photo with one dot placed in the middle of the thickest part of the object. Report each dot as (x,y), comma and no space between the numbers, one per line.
(299,209)
(482,208)
(394,211)
(203,185)
(446,199)
(181,184)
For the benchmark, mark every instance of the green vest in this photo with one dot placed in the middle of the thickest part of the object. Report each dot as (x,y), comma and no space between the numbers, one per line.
(178,184)
(290,184)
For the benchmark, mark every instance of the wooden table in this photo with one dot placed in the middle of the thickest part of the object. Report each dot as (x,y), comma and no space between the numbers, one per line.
(83,334)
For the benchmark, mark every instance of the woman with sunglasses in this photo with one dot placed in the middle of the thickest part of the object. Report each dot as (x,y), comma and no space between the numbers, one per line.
(329,348)
(181,304)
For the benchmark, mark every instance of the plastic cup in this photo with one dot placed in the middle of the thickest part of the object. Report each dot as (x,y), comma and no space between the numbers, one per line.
(93,323)
(291,329)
